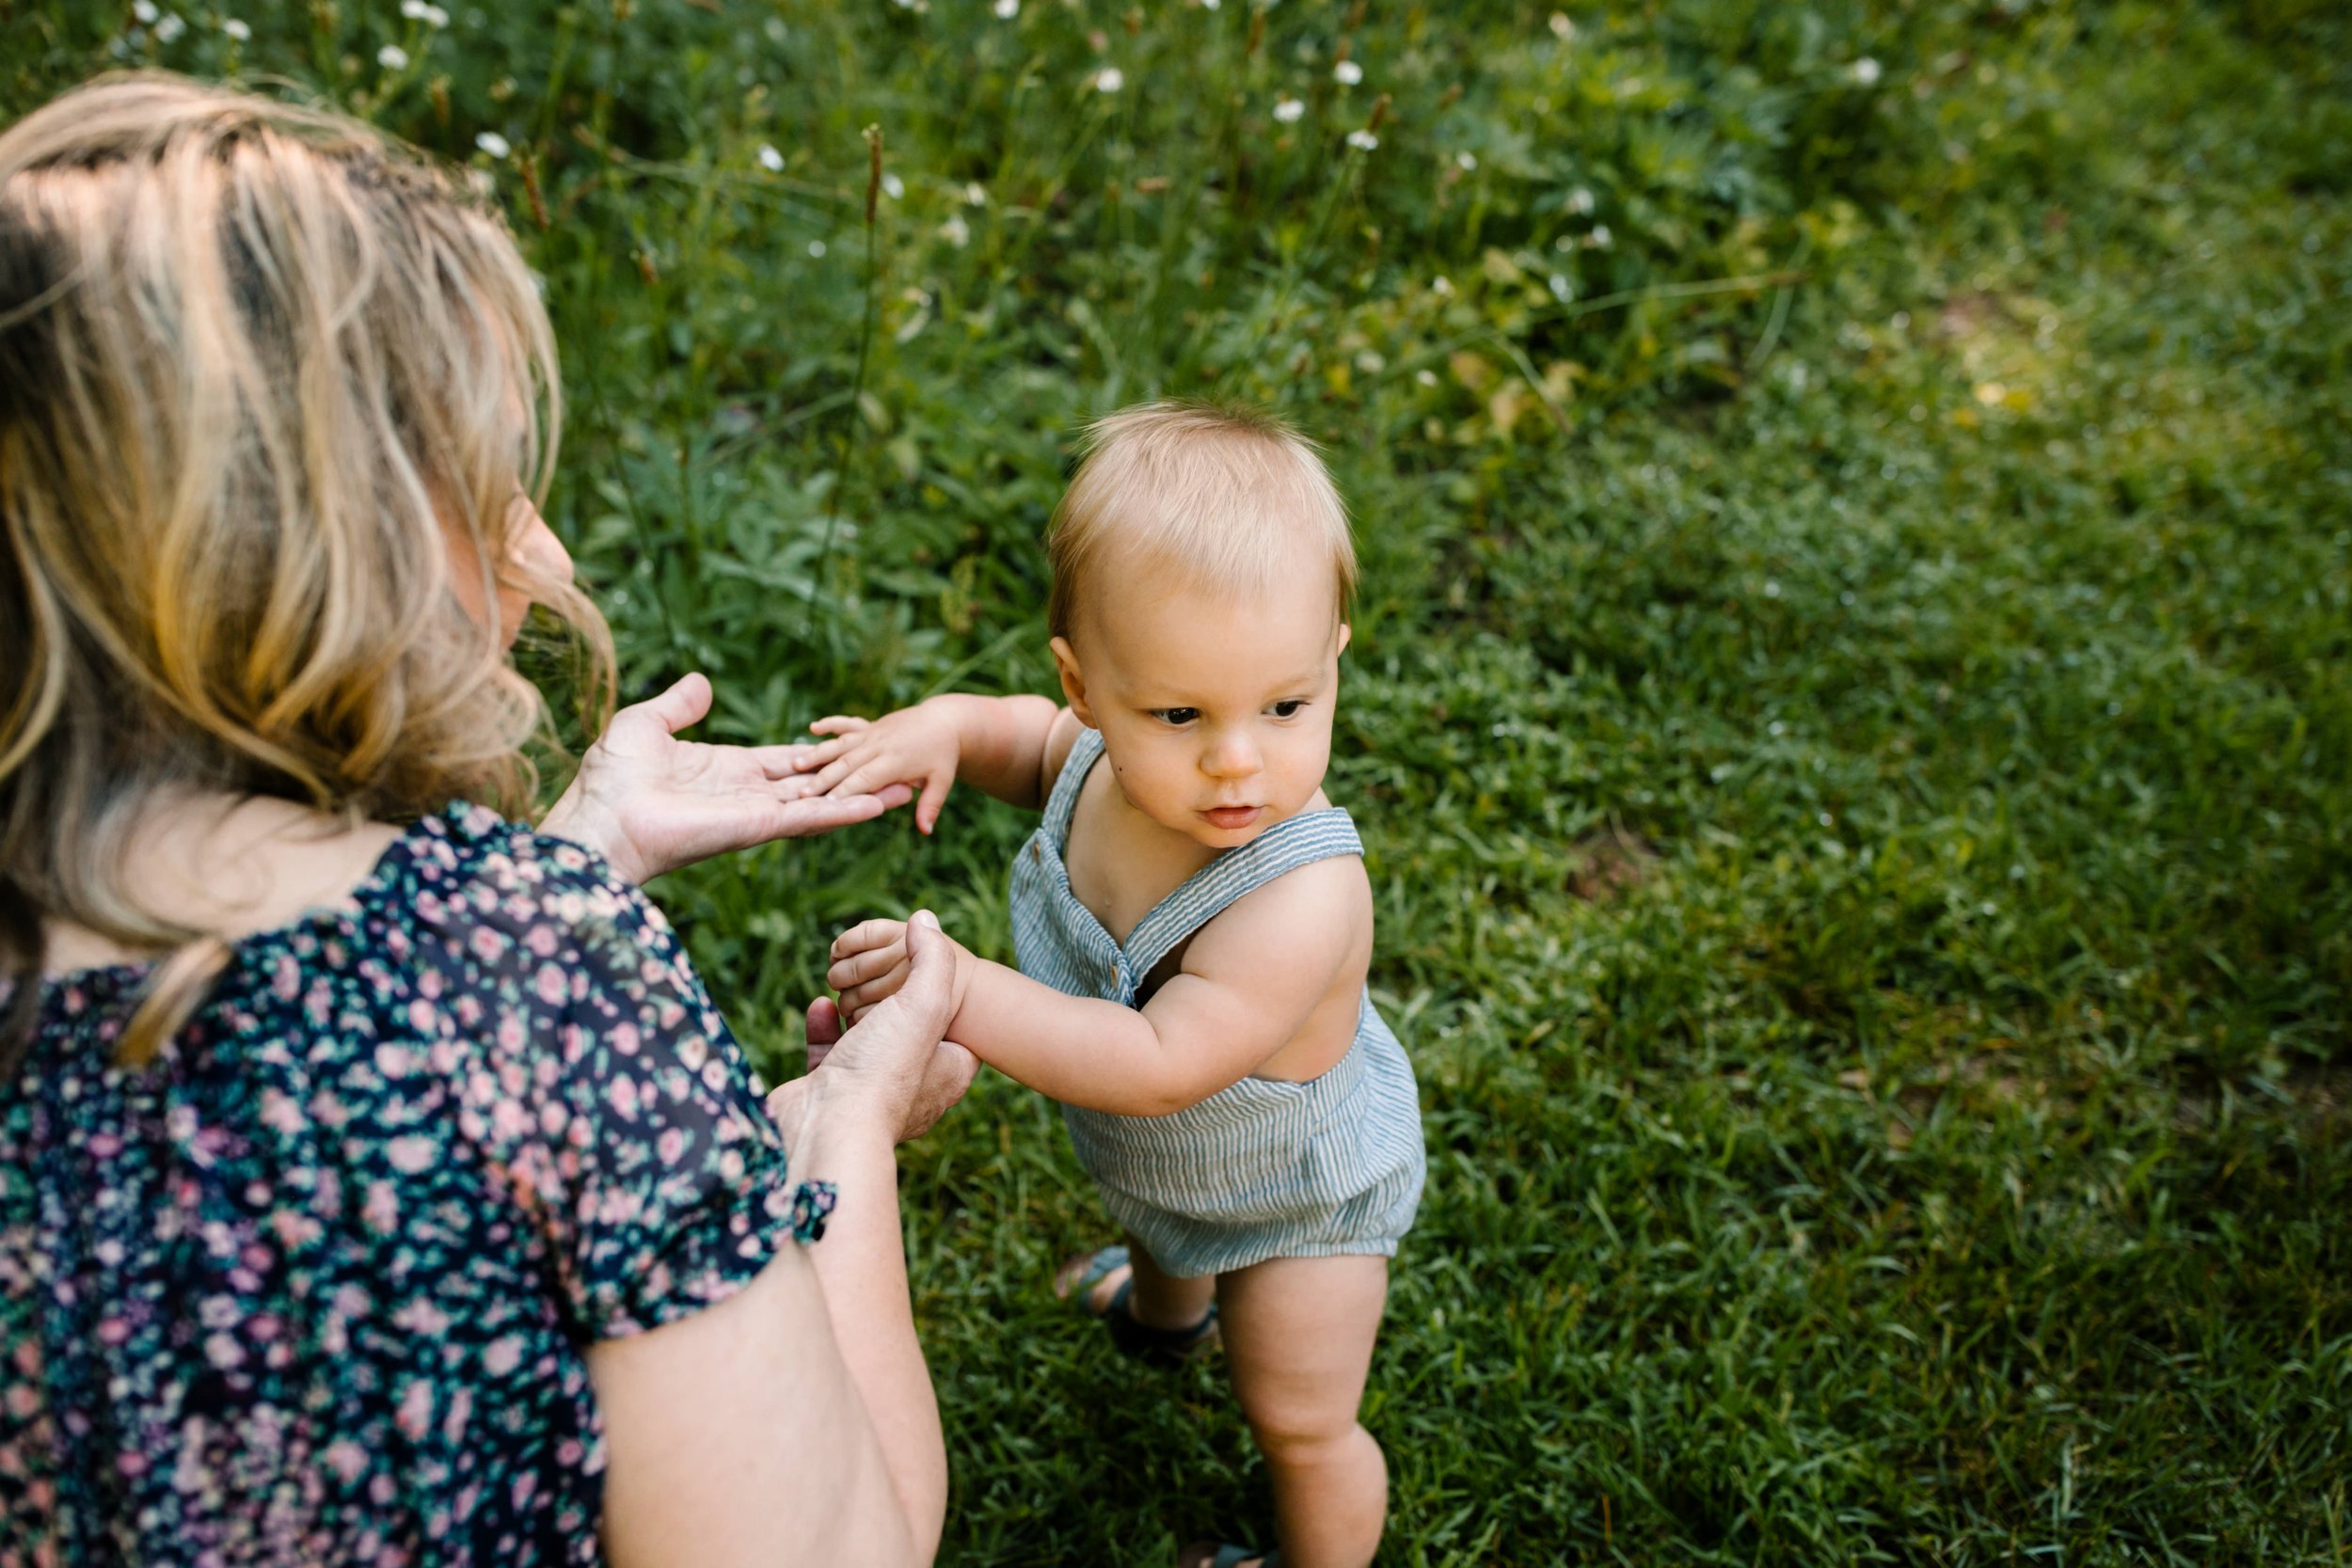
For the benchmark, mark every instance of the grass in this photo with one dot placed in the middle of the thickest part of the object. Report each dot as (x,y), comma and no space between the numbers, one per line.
(1850,710)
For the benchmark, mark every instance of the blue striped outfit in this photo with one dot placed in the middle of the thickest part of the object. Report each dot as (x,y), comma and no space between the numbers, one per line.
(1264,1168)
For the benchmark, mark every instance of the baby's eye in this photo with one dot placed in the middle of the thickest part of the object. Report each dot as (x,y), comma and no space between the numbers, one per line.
(1288,708)
(1176,714)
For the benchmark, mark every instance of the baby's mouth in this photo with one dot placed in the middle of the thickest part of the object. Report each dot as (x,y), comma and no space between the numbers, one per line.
(1232,817)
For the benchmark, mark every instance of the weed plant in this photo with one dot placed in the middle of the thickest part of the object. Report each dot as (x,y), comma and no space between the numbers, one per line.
(1849,711)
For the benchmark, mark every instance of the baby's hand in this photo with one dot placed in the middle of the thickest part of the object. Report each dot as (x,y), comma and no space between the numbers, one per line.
(870,961)
(915,746)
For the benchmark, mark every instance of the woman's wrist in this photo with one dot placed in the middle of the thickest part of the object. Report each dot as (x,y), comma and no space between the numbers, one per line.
(831,1112)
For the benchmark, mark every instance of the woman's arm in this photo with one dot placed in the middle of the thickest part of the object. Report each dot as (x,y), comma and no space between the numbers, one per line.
(795,1423)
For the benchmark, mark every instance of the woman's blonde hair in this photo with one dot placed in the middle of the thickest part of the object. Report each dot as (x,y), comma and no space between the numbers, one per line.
(1226,494)
(258,363)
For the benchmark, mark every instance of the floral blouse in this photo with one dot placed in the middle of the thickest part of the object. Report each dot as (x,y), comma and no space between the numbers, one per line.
(316,1284)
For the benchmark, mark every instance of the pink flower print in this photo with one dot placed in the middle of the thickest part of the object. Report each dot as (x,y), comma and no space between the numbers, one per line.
(279,1113)
(347,1459)
(508,1121)
(511,1031)
(541,941)
(625,1038)
(489,945)
(504,1355)
(222,1351)
(287,980)
(468,1011)
(422,1319)
(415,1417)
(382,1212)
(23,1401)
(421,1015)
(670,1145)
(460,1413)
(392,1061)
(692,1050)
(622,1093)
(410,1154)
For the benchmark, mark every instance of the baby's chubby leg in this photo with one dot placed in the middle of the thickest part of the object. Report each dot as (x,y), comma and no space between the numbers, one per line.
(1299,1336)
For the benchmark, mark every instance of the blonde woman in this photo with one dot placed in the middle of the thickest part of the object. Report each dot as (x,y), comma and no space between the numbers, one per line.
(377,1181)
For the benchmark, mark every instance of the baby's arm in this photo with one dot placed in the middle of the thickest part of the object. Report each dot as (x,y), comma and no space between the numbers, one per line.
(1250,980)
(1000,745)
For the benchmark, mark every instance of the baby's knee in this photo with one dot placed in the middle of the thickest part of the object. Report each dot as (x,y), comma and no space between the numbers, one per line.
(1295,1427)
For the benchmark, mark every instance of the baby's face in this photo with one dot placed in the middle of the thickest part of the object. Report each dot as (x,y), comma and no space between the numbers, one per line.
(1216,714)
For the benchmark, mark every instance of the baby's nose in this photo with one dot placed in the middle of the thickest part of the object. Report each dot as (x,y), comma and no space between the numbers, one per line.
(1231,755)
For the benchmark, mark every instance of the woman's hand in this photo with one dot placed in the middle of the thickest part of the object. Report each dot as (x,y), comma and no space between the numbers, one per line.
(872,962)
(649,802)
(920,745)
(892,1060)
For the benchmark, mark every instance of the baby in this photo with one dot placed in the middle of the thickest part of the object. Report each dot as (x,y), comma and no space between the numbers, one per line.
(1193,925)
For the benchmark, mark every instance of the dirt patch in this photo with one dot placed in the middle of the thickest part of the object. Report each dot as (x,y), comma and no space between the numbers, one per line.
(1609,862)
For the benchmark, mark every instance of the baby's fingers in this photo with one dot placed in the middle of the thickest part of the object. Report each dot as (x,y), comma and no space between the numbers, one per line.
(864,969)
(868,934)
(934,798)
(839,723)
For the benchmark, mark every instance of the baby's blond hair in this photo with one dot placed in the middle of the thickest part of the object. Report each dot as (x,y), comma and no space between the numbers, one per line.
(1227,497)
(257,364)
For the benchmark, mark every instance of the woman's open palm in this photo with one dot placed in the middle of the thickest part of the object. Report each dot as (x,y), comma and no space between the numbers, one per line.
(650,803)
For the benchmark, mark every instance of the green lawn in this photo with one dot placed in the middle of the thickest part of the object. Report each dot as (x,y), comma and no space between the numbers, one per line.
(1849,711)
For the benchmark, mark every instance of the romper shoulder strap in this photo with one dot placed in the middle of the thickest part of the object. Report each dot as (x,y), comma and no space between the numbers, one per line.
(1311,836)
(1063,801)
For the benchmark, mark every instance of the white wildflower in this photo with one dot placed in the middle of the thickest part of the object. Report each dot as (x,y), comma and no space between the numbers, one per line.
(1208,5)
(1561,26)
(1599,239)
(976,195)
(1364,141)
(769,159)
(893,186)
(1580,202)
(494,144)
(1289,109)
(1466,161)
(1427,379)
(236,29)
(393,57)
(1007,9)
(169,27)
(1347,74)
(1561,289)
(1108,79)
(956,231)
(1441,286)
(145,10)
(1865,71)
(816,247)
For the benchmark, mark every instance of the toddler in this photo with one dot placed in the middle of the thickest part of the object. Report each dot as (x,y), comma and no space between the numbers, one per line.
(1193,925)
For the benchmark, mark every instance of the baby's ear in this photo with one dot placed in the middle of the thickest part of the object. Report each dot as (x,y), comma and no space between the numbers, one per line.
(1073,682)
(1346,632)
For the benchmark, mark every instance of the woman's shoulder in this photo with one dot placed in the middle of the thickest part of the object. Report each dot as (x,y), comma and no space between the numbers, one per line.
(467,865)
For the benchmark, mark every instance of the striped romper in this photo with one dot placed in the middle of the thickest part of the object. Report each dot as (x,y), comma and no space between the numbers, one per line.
(1264,1168)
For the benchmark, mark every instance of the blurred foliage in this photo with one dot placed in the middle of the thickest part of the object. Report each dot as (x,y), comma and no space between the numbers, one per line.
(1849,707)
